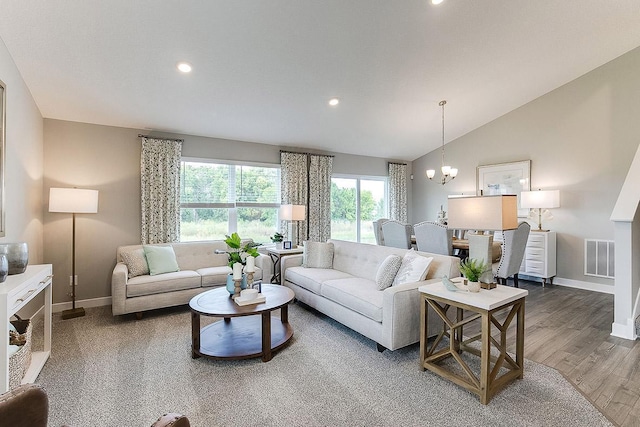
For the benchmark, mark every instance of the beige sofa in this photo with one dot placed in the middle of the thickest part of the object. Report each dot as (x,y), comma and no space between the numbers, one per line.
(348,292)
(201,268)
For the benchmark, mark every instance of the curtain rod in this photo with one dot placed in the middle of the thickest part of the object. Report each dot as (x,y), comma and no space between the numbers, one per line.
(160,137)
(309,154)
(395,163)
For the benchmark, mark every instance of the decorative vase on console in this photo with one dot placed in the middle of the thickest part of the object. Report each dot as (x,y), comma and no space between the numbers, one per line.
(4,267)
(17,256)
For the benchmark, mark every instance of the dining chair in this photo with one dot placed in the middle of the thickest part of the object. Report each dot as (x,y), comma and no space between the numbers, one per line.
(377,230)
(433,237)
(514,243)
(397,234)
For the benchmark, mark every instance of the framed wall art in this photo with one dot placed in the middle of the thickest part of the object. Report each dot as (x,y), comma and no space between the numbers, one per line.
(505,178)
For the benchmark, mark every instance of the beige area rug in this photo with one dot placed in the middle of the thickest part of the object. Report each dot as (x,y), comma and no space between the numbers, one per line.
(120,371)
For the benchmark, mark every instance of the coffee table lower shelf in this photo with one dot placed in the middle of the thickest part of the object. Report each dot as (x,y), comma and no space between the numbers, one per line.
(241,337)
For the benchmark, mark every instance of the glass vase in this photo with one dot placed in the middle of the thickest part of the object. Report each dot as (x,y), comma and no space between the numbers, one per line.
(17,256)
(231,284)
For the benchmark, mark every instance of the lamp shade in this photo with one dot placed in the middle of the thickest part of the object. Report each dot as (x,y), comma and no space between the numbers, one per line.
(540,199)
(73,200)
(483,212)
(292,212)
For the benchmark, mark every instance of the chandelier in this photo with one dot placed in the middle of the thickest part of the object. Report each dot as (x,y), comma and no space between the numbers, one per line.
(448,173)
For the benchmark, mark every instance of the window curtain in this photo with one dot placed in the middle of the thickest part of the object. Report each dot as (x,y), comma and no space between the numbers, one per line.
(398,191)
(160,190)
(320,168)
(294,179)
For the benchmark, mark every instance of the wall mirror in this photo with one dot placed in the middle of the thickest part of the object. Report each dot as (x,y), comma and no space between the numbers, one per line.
(3,121)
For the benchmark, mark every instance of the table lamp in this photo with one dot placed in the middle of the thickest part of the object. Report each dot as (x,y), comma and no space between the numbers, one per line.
(73,200)
(539,201)
(292,213)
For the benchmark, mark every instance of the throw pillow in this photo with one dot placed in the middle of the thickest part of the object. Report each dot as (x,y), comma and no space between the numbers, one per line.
(414,268)
(317,255)
(387,271)
(136,262)
(161,259)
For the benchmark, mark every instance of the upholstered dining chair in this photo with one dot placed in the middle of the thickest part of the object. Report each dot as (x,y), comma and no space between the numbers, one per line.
(377,230)
(433,237)
(514,243)
(397,234)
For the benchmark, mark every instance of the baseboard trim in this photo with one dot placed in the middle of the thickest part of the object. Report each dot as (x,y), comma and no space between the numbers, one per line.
(587,286)
(87,303)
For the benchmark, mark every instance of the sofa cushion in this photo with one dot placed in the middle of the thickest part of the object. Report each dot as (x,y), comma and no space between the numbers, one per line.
(387,271)
(317,255)
(136,261)
(414,268)
(213,276)
(168,282)
(357,294)
(161,259)
(312,278)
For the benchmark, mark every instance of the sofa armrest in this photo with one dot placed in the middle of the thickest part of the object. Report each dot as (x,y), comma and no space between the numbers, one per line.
(401,314)
(119,279)
(289,261)
(264,263)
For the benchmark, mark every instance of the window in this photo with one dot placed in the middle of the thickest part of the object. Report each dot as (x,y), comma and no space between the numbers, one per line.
(355,204)
(218,198)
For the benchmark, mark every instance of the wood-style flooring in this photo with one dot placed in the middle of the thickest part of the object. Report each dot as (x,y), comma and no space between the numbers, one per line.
(569,330)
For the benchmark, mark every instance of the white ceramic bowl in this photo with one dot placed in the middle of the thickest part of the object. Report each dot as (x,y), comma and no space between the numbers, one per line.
(249,294)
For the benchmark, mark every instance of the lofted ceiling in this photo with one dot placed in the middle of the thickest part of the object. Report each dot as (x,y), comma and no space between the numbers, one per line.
(264,71)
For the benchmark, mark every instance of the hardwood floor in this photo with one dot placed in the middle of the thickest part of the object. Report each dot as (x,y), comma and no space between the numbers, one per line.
(569,330)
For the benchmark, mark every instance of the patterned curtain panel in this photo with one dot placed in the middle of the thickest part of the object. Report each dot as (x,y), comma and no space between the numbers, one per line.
(160,185)
(294,179)
(319,212)
(398,191)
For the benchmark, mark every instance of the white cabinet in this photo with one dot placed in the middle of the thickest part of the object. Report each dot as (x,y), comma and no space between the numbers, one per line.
(540,256)
(15,293)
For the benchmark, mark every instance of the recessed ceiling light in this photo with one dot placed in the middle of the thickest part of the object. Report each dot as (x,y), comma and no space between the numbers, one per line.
(185,67)
(334,101)
(436,1)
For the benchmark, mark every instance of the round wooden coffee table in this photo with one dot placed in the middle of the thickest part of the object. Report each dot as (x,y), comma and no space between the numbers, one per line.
(243,334)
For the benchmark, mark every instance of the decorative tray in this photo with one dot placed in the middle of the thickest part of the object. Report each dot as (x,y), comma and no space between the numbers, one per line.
(257,300)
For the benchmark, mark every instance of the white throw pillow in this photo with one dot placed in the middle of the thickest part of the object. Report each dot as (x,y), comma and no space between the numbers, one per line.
(161,259)
(136,262)
(387,271)
(414,268)
(317,255)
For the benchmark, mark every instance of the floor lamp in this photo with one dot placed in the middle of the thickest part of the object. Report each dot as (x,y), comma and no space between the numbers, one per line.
(73,201)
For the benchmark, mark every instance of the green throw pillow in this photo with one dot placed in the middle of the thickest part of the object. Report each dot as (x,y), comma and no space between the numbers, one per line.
(161,259)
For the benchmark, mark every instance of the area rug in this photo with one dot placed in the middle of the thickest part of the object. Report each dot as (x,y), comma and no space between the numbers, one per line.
(120,371)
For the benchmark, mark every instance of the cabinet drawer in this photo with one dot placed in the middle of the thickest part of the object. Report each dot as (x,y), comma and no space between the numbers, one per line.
(535,267)
(536,254)
(536,240)
(17,299)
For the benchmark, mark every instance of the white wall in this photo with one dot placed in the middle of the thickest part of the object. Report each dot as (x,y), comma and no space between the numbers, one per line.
(580,138)
(23,162)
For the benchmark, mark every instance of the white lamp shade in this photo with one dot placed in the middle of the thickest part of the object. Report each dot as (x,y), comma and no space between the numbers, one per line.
(483,212)
(73,200)
(292,212)
(540,199)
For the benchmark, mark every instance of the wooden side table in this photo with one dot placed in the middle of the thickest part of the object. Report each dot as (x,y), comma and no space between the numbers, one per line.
(276,255)
(483,306)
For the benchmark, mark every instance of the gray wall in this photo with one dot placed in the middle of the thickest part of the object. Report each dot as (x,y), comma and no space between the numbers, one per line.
(108,159)
(580,138)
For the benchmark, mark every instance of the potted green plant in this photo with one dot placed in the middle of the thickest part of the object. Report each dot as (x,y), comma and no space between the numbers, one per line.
(238,254)
(277,238)
(472,269)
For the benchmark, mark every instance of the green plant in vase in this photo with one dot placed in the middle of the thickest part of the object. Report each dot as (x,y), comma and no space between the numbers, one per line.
(238,252)
(277,238)
(472,269)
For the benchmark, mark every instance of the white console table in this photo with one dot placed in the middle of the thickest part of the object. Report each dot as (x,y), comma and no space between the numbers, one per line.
(540,256)
(15,293)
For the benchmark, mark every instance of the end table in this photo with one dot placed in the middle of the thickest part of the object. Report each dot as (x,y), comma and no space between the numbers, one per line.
(276,255)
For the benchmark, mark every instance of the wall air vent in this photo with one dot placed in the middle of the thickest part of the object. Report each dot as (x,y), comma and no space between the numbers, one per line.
(599,258)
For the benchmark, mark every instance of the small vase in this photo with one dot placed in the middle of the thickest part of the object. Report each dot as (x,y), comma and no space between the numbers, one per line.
(231,284)
(4,268)
(473,286)
(17,256)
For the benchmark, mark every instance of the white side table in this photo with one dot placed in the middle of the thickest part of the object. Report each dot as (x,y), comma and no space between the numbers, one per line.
(483,305)
(276,255)
(15,293)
